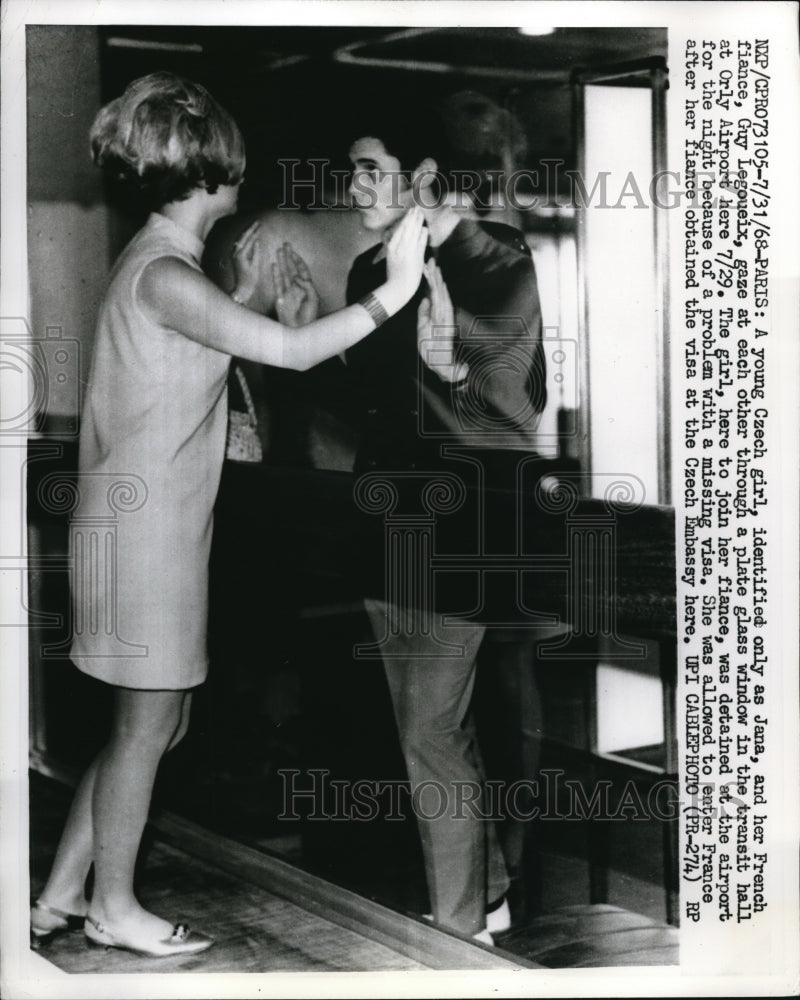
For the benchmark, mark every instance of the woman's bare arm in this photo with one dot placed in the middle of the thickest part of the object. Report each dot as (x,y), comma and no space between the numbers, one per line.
(179,297)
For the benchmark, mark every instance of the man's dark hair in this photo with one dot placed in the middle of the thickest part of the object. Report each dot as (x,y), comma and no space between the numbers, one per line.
(407,133)
(465,131)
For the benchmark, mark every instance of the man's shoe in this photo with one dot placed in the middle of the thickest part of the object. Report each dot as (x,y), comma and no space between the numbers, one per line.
(498,919)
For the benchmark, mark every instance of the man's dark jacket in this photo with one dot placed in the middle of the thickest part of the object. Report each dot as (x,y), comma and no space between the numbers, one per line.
(407,412)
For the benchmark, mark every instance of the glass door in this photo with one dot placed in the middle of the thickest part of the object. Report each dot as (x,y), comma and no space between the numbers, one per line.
(622,259)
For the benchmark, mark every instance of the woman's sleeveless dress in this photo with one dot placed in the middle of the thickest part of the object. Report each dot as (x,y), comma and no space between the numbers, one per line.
(151,450)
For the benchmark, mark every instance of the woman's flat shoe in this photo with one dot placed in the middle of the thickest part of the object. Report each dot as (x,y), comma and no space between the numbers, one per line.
(182,941)
(68,922)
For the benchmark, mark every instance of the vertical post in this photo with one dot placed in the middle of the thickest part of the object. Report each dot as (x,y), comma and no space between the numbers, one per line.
(584,418)
(668,668)
(658,77)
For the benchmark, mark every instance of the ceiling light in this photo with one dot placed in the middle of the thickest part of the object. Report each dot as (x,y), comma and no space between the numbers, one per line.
(535,29)
(146,43)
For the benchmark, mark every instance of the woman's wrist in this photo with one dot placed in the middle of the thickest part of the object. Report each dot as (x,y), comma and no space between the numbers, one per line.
(391,296)
(374,307)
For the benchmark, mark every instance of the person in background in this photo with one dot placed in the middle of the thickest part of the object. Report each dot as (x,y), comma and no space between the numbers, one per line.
(488,141)
(294,428)
(155,415)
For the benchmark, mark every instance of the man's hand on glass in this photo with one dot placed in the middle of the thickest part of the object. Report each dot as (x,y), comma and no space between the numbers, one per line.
(437,330)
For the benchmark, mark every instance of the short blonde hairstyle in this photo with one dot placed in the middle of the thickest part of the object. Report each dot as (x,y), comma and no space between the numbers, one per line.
(167,136)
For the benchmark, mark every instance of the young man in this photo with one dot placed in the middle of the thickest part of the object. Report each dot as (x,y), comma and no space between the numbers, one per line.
(481,387)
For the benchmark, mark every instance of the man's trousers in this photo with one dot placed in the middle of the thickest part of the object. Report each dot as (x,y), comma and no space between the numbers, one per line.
(431,693)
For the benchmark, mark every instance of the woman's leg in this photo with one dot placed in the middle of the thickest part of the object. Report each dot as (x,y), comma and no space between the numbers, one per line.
(65,888)
(146,723)
(66,883)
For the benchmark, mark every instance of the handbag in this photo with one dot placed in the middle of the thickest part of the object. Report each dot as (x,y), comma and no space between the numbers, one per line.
(243,443)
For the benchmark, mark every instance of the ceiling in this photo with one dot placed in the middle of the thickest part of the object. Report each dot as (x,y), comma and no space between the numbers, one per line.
(299,92)
(499,53)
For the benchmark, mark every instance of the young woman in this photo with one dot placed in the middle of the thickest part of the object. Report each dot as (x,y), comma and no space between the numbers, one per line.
(152,440)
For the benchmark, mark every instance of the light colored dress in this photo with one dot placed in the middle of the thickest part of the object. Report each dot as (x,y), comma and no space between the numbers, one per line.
(151,450)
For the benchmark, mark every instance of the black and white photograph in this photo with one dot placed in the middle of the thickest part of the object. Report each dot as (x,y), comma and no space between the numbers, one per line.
(399,530)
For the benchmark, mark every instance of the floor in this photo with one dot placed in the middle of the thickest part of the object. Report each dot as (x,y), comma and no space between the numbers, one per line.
(257,931)
(322,712)
(314,708)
